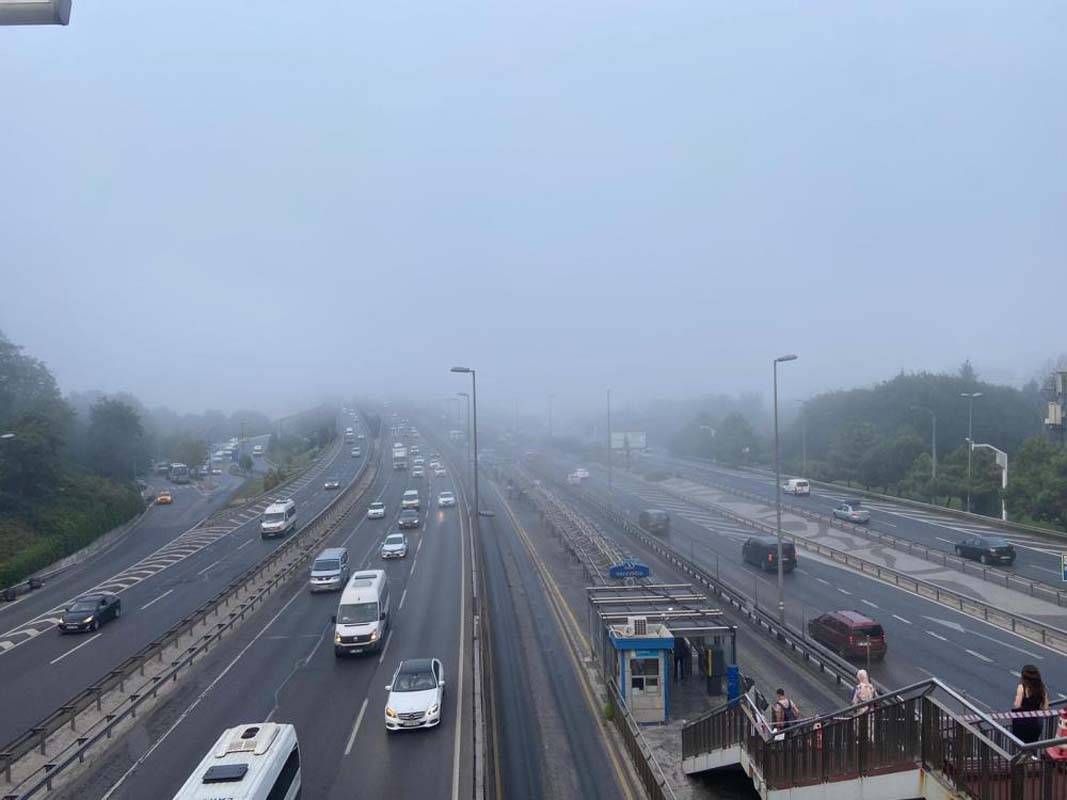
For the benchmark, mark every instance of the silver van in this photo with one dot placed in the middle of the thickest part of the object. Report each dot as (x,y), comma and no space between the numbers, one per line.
(330,570)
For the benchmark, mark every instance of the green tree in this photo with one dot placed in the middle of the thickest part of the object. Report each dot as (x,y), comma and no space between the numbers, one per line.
(1037,486)
(246,462)
(116,439)
(187,450)
(848,456)
(30,461)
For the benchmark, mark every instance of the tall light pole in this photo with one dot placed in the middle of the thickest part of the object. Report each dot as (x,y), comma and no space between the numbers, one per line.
(933,437)
(970,438)
(474,404)
(778,491)
(1002,462)
(467,397)
(609,443)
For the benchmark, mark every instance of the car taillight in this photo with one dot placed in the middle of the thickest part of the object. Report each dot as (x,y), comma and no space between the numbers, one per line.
(770,558)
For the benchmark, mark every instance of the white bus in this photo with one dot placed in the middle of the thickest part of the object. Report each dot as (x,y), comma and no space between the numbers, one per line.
(278,519)
(257,761)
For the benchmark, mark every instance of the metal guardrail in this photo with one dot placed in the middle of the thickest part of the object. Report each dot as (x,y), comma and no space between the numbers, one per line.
(935,555)
(1032,629)
(298,549)
(907,729)
(645,764)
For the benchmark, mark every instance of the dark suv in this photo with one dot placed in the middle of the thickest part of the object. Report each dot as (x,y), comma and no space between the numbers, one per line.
(849,634)
(762,552)
(987,549)
(409,518)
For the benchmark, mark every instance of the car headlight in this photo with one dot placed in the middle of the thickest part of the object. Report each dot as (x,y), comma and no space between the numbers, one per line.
(337,638)
(433,709)
(374,636)
(390,712)
(87,619)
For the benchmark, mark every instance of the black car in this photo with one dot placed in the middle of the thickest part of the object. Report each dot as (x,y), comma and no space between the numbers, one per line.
(762,552)
(409,518)
(987,549)
(90,611)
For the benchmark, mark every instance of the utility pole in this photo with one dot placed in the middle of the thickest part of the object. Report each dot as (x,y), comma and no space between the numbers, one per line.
(970,438)
(610,490)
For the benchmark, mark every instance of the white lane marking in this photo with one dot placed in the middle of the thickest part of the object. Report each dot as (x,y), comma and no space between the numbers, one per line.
(986,659)
(402,596)
(801,570)
(414,564)
(823,580)
(946,541)
(1016,673)
(192,706)
(844,591)
(388,638)
(153,602)
(355,728)
(76,647)
(242,547)
(209,566)
(869,603)
(937,636)
(897,616)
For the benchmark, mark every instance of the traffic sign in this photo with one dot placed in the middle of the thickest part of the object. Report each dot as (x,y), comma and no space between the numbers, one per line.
(1063,566)
(630,569)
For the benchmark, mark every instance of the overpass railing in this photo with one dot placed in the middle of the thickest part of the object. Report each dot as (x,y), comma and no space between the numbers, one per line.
(924,726)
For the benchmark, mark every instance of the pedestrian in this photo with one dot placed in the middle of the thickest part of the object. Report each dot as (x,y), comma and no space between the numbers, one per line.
(681,651)
(1030,695)
(864,691)
(785,712)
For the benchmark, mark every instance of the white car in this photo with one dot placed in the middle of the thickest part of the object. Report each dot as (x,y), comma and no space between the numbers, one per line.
(394,546)
(416,472)
(415,695)
(581,472)
(435,464)
(376,510)
(419,462)
(446,500)
(356,452)
(410,499)
(439,472)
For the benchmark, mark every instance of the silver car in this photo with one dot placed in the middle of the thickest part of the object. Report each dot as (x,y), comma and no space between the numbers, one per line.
(330,570)
(852,511)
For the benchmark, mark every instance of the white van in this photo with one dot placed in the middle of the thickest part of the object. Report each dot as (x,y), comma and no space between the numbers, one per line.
(797,487)
(278,519)
(257,761)
(362,617)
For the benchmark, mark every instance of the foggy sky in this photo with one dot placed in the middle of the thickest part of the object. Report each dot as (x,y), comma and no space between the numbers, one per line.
(217,204)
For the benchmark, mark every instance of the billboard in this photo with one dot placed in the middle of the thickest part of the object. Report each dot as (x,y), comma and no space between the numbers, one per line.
(627,440)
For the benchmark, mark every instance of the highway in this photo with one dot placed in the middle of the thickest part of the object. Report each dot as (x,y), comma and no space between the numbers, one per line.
(162,571)
(923,638)
(1037,556)
(284,669)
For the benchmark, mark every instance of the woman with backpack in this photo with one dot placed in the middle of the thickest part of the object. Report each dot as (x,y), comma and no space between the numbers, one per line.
(785,711)
(1030,695)
(864,691)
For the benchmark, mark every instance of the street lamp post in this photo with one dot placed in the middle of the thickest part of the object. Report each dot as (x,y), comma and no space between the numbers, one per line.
(609,444)
(1002,462)
(778,491)
(474,404)
(970,438)
(933,438)
(467,397)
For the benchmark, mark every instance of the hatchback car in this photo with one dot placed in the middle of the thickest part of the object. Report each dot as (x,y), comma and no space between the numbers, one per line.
(417,472)
(852,511)
(376,510)
(987,549)
(331,483)
(446,500)
(164,498)
(849,634)
(439,471)
(395,546)
(90,611)
(356,452)
(409,518)
(415,695)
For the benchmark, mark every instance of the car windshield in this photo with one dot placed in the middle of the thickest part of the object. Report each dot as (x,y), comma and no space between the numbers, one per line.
(414,682)
(996,542)
(357,613)
(84,605)
(446,495)
(869,630)
(327,565)
(377,505)
(273,518)
(394,539)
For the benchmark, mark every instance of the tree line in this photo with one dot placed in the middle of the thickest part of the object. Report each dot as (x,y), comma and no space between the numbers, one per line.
(882,438)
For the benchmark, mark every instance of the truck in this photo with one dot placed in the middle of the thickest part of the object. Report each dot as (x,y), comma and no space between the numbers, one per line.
(400,456)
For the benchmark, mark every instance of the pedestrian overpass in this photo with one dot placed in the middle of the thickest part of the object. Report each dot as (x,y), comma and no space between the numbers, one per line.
(922,741)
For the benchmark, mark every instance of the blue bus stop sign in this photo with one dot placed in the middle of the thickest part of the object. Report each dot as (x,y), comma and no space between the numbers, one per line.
(1063,566)
(630,569)
(733,683)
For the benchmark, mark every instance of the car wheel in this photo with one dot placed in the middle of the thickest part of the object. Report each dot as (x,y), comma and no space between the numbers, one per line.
(95,626)
(958,551)
(118,611)
(984,558)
